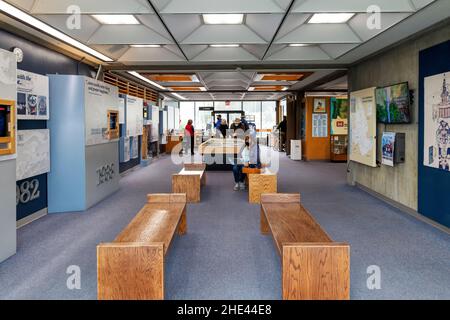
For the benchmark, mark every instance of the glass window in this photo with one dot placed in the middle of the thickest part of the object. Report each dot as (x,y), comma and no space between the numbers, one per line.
(230,105)
(252,111)
(171,117)
(187,112)
(203,117)
(269,114)
(284,107)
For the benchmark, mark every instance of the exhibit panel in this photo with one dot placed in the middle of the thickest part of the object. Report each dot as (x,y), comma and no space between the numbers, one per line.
(363,127)
(32,96)
(434,133)
(8,124)
(33,153)
(79,142)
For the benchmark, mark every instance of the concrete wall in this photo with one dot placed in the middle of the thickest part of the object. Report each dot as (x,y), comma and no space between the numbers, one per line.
(398,64)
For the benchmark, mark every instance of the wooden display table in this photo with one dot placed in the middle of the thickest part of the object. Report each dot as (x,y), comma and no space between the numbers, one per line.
(219,154)
(313,266)
(260,181)
(172,142)
(189,181)
(132,267)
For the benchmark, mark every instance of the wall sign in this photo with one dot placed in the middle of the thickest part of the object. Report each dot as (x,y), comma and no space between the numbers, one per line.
(339,116)
(31,195)
(134,119)
(320,125)
(33,153)
(32,96)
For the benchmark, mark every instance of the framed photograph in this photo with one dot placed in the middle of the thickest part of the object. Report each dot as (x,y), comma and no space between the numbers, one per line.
(320,105)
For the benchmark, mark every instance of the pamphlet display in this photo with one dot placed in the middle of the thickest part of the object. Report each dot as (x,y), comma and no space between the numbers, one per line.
(436,153)
(32,96)
(33,153)
(388,148)
(363,127)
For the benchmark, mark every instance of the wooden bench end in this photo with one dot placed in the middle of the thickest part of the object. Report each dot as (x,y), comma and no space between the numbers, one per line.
(166,198)
(280,198)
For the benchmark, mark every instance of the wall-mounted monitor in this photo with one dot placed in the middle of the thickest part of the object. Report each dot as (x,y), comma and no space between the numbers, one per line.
(7,127)
(393,104)
(113,124)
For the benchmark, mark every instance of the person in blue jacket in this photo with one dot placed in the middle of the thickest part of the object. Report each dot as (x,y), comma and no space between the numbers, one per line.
(217,126)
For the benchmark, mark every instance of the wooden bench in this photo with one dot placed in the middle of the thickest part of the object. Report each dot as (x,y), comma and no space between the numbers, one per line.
(313,266)
(189,181)
(260,181)
(132,267)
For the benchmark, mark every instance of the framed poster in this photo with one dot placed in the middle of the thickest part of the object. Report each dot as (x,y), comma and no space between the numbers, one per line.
(363,127)
(320,125)
(436,153)
(388,148)
(33,153)
(32,96)
(339,116)
(100,98)
(121,110)
(134,118)
(320,105)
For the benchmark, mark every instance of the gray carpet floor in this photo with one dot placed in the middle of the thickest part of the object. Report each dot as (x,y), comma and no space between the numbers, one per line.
(224,256)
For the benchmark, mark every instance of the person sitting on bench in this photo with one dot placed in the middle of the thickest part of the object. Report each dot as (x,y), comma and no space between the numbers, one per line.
(248,157)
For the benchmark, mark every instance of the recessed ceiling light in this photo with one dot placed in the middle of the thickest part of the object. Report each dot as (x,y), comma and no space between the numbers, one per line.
(223,18)
(224,45)
(285,89)
(298,45)
(35,23)
(115,18)
(141,77)
(145,45)
(331,17)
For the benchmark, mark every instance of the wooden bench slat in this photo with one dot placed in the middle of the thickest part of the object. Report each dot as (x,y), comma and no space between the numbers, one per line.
(157,222)
(291,223)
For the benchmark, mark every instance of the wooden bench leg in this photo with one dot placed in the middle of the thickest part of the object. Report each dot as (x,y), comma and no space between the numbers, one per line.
(259,184)
(130,271)
(188,184)
(316,271)
(182,227)
(264,223)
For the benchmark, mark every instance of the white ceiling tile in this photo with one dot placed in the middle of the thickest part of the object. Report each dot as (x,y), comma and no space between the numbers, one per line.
(126,34)
(299,53)
(149,54)
(193,50)
(225,54)
(265,25)
(182,25)
(359,24)
(89,6)
(23,4)
(152,21)
(114,51)
(321,33)
(220,6)
(88,25)
(351,6)
(223,34)
(419,4)
(255,49)
(292,22)
(337,49)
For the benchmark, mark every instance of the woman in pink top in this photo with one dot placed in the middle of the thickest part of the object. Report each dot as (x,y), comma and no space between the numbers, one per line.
(189,134)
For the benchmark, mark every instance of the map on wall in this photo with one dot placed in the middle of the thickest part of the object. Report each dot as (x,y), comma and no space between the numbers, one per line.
(437,122)
(135,118)
(99,98)
(32,96)
(33,153)
(363,127)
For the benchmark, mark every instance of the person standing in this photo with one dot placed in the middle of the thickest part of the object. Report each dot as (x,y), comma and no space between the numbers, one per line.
(189,133)
(283,132)
(217,125)
(224,128)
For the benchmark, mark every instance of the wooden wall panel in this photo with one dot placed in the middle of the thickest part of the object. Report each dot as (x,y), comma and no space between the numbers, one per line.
(316,148)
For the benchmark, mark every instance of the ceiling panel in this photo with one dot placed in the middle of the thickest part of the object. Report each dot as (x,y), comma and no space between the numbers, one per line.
(221,34)
(351,6)
(359,23)
(23,4)
(220,6)
(265,25)
(152,21)
(225,54)
(335,50)
(89,6)
(114,51)
(126,34)
(321,33)
(182,25)
(150,54)
(419,4)
(300,53)
(292,22)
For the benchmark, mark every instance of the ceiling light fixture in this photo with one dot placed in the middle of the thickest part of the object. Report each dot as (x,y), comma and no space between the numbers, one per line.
(141,77)
(223,18)
(115,19)
(37,24)
(178,96)
(298,45)
(331,17)
(285,89)
(145,46)
(224,45)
